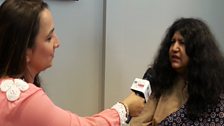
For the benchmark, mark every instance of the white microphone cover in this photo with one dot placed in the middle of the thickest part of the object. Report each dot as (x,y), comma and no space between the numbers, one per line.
(142,87)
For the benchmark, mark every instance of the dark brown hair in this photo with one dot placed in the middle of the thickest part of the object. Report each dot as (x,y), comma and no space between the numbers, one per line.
(19,25)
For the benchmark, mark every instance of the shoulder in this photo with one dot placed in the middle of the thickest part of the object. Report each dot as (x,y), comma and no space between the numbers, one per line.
(14,90)
(26,101)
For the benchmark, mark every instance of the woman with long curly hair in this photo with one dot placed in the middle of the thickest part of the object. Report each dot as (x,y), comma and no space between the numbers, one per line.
(186,78)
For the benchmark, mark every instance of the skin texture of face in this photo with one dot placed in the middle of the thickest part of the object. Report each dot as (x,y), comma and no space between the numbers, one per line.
(41,55)
(177,53)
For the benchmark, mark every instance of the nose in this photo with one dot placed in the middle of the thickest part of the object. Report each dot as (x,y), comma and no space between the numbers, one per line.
(56,42)
(175,47)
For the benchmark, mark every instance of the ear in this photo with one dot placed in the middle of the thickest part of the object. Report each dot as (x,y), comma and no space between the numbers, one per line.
(28,55)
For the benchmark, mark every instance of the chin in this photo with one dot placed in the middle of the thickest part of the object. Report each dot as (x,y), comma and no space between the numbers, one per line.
(177,68)
(46,67)
(49,66)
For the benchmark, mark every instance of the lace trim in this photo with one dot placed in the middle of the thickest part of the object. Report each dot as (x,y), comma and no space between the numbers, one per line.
(13,88)
(122,111)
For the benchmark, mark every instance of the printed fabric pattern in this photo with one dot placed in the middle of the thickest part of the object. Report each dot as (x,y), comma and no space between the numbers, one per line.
(213,117)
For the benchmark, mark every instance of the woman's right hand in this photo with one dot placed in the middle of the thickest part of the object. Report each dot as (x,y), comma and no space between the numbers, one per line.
(134,103)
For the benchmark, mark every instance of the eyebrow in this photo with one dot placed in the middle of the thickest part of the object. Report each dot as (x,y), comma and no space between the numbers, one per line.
(51,31)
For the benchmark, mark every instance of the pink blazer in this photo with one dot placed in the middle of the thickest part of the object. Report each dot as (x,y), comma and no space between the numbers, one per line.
(34,108)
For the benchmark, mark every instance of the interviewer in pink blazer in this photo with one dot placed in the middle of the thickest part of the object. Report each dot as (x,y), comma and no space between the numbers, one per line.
(27,45)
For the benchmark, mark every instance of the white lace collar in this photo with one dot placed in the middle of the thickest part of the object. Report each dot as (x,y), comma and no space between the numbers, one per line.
(13,88)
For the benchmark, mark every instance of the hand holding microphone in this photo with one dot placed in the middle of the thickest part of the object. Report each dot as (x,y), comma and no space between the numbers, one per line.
(141,88)
(135,101)
(141,91)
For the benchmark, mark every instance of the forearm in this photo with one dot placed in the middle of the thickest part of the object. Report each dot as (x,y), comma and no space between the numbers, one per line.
(38,109)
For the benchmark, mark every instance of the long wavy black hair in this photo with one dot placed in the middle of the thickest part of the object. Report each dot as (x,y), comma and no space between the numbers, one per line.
(19,25)
(205,71)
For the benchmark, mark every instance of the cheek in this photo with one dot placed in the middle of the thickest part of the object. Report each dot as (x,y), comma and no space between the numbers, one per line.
(44,52)
(185,59)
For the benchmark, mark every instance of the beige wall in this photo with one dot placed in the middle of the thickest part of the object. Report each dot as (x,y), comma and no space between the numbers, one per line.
(133,29)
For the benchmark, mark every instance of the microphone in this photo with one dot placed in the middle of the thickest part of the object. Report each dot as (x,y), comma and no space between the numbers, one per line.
(142,87)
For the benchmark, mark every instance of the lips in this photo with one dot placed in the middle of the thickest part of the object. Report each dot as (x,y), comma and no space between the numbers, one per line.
(175,58)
